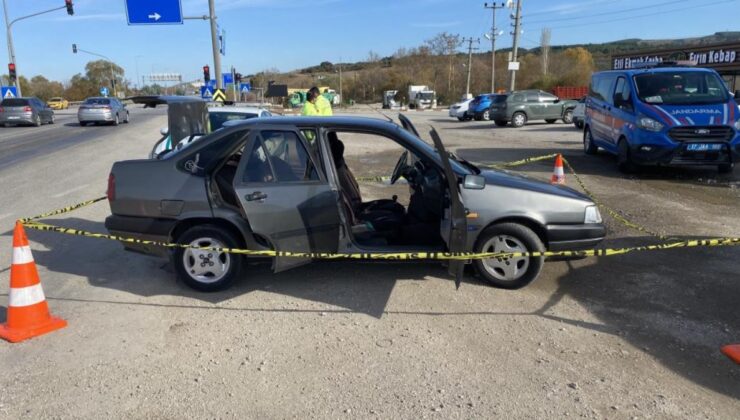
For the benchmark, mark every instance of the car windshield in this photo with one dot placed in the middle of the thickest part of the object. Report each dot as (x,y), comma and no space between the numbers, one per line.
(426,95)
(14,102)
(681,88)
(55,100)
(217,119)
(97,101)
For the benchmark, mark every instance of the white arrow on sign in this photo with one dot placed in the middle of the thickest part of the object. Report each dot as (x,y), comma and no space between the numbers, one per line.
(155,16)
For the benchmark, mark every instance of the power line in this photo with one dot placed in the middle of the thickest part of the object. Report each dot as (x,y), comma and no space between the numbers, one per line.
(652,6)
(642,16)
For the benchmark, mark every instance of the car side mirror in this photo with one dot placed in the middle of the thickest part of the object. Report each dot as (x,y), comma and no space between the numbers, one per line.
(474,182)
(557,100)
(164,131)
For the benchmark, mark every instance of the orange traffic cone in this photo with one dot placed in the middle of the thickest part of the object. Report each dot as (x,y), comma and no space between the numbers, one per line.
(733,352)
(558,174)
(28,313)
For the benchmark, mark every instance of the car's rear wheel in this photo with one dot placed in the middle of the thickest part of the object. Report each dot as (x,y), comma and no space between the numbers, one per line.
(509,272)
(116,120)
(568,116)
(37,121)
(578,124)
(461,118)
(53,119)
(127,119)
(519,119)
(550,121)
(725,168)
(624,158)
(501,123)
(588,143)
(207,270)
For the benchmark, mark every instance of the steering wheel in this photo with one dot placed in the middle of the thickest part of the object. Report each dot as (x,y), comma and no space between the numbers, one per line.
(400,166)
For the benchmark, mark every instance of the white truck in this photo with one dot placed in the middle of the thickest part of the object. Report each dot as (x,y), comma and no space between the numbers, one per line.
(421,97)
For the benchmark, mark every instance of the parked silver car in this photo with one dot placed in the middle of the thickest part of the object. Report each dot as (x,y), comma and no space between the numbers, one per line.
(26,111)
(261,184)
(102,110)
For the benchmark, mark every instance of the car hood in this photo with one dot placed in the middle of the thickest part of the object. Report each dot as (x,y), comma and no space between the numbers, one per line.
(677,115)
(508,179)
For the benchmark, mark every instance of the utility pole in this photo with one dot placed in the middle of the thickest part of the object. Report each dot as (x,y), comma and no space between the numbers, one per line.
(341,98)
(9,26)
(515,49)
(214,44)
(470,61)
(493,36)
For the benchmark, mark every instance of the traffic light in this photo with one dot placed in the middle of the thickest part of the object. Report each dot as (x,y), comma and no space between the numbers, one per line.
(238,77)
(70,7)
(206,73)
(11,71)
(74,48)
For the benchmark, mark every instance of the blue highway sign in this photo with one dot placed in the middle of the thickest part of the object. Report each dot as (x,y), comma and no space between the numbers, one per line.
(228,78)
(153,12)
(104,91)
(9,92)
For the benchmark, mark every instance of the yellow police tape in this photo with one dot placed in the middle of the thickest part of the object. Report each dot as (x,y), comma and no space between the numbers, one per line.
(33,223)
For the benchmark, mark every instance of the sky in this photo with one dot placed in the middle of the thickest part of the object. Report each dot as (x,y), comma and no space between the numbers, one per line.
(290,34)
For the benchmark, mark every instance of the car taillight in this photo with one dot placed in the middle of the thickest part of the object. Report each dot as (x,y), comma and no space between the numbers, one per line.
(2,109)
(111,193)
(27,109)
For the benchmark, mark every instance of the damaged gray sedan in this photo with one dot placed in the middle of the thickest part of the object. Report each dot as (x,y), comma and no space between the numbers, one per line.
(282,184)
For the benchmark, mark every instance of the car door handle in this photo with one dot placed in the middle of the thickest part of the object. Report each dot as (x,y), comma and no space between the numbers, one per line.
(256,196)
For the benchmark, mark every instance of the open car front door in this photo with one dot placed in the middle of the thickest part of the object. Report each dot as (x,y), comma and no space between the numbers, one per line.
(285,197)
(456,237)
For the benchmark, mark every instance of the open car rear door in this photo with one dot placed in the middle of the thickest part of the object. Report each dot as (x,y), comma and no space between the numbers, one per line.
(284,196)
(458,226)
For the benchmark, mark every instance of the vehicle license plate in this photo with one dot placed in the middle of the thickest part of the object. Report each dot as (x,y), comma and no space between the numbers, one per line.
(703,147)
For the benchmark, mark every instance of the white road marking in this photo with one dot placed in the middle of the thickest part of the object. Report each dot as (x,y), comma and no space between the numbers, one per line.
(3,216)
(70,191)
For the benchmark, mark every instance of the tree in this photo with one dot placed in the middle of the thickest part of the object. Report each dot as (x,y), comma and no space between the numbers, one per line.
(44,89)
(445,44)
(99,73)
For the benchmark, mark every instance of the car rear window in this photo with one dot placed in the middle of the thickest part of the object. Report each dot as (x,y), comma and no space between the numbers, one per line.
(97,101)
(497,99)
(14,102)
(217,119)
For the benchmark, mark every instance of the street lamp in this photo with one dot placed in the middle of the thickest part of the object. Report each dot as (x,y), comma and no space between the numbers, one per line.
(9,25)
(75,49)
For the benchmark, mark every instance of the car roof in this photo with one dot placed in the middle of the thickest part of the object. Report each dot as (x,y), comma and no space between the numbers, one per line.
(347,122)
(236,109)
(668,69)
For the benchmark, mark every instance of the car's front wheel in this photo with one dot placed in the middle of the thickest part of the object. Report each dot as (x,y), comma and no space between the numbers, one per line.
(127,119)
(624,158)
(511,272)
(461,118)
(207,270)
(486,115)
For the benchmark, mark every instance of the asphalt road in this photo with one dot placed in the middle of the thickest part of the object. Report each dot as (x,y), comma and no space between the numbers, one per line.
(630,336)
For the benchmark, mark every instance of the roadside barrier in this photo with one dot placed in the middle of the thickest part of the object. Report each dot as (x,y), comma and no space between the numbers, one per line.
(28,312)
(34,223)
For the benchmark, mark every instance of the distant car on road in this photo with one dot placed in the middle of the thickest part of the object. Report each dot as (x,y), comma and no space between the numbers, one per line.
(58,103)
(579,113)
(522,106)
(480,108)
(102,110)
(460,110)
(26,111)
(261,184)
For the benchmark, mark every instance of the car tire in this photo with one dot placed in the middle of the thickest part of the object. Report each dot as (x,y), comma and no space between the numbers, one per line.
(589,147)
(37,121)
(511,273)
(550,121)
(579,124)
(501,123)
(624,160)
(725,168)
(519,119)
(52,120)
(127,119)
(217,270)
(568,116)
(116,120)
(486,116)
(461,119)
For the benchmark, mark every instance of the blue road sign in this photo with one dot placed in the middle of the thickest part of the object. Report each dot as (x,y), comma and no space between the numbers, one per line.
(104,91)
(9,92)
(228,78)
(211,84)
(245,87)
(149,12)
(206,92)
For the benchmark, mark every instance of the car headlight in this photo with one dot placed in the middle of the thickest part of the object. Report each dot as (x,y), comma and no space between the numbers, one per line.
(592,215)
(737,125)
(649,124)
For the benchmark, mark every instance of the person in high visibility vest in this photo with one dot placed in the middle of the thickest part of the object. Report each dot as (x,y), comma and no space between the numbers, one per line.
(316,104)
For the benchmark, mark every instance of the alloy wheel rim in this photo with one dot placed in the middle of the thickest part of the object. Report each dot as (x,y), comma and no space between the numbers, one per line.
(203,265)
(509,268)
(519,119)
